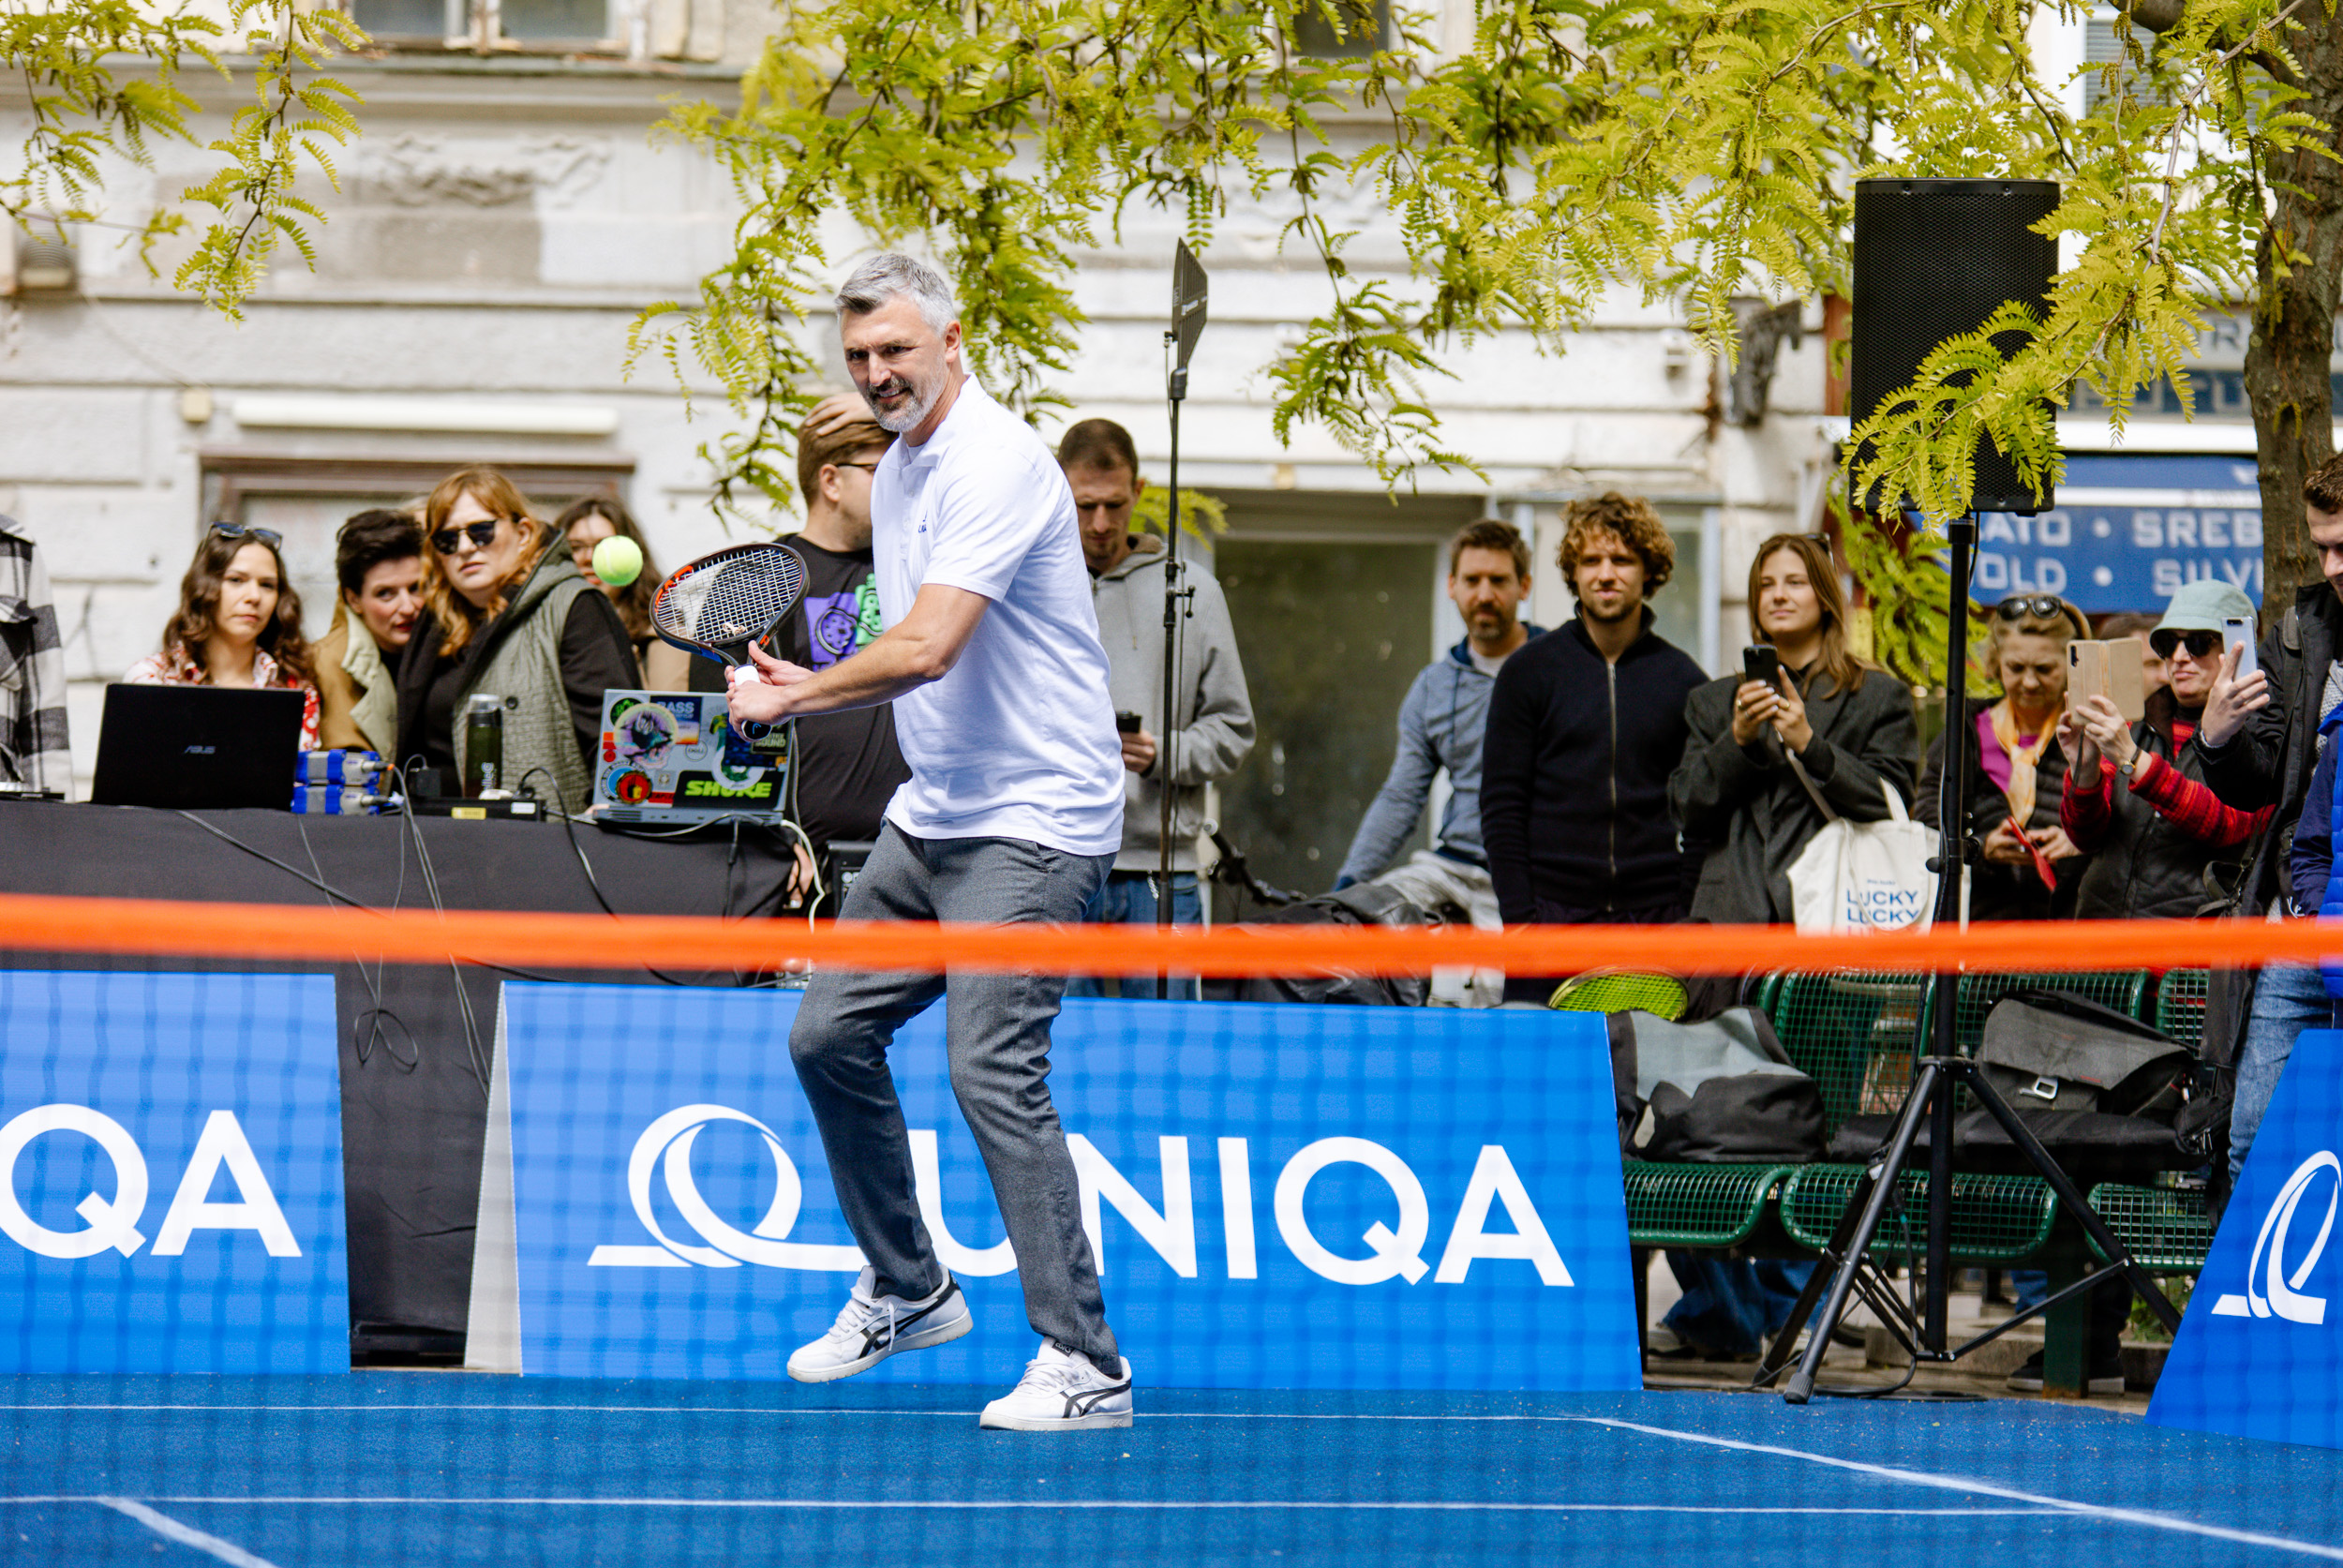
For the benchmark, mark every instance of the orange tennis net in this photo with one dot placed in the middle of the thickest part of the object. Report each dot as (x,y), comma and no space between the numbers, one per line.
(30,924)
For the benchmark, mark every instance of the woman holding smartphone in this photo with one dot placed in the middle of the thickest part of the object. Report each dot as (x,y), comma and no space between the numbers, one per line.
(1801,695)
(2137,796)
(2018,768)
(1849,725)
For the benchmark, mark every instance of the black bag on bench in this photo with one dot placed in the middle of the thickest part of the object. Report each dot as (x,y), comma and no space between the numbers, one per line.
(2101,1090)
(1720,1091)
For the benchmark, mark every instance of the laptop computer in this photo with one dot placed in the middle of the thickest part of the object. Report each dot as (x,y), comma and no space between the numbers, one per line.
(195,748)
(674,757)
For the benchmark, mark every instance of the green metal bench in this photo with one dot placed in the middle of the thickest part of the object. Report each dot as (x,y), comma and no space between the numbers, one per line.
(1996,1220)
(1834,1027)
(2167,1229)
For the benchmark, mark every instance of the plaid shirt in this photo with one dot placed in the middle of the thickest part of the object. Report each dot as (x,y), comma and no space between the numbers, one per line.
(175,666)
(32,746)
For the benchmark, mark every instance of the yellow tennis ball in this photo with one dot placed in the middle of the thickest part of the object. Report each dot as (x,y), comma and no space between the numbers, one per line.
(618,560)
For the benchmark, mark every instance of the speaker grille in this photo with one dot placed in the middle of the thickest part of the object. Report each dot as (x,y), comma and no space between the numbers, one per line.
(1933,258)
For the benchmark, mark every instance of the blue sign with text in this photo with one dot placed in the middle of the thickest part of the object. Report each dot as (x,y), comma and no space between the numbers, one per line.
(173,1148)
(1279,1196)
(2260,1353)
(2129,531)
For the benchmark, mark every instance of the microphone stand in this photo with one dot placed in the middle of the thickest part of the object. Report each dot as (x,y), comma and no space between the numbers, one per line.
(1175,609)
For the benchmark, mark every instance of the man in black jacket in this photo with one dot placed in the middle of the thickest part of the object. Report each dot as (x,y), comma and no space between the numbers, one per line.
(1585,725)
(2259,740)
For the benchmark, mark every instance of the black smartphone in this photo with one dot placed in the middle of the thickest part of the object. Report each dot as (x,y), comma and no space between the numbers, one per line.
(1126,722)
(1761,662)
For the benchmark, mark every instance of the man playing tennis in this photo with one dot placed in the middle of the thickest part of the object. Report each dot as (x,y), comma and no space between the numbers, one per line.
(1013,813)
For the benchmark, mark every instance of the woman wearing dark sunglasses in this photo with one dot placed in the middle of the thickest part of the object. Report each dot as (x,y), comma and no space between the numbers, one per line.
(507,613)
(238,625)
(2140,798)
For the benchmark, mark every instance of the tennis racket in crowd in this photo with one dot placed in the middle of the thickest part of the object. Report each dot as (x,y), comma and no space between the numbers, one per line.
(718,604)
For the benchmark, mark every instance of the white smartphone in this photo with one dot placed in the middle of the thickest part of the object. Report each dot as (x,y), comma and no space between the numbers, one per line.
(2237,630)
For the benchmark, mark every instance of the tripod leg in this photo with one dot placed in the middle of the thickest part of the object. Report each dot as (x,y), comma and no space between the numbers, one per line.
(1801,1386)
(1778,1353)
(2070,1196)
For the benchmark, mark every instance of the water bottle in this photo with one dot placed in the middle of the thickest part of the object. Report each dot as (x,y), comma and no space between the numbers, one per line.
(484,744)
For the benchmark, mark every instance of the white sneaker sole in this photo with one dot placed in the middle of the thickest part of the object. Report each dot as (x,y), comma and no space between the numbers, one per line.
(1006,1423)
(943,1334)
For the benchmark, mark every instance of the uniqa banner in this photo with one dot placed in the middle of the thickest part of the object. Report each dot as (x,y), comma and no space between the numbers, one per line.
(173,1149)
(2260,1353)
(1279,1196)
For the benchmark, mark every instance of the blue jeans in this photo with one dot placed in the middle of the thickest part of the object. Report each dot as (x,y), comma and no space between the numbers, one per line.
(2290,997)
(1730,1305)
(1129,898)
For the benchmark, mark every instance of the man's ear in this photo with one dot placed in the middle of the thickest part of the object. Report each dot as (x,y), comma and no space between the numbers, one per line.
(952,338)
(833,488)
(1138,486)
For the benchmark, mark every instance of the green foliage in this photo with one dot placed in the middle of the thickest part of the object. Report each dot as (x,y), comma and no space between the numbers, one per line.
(1684,150)
(103,78)
(1201,516)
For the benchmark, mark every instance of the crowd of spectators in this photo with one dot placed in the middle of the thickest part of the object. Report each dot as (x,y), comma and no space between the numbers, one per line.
(1595,774)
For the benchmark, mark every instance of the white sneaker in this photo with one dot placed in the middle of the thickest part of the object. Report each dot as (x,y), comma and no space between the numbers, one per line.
(1063,1391)
(870,1328)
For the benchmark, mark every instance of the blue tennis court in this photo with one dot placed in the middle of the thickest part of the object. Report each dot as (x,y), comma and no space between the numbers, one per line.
(383,1469)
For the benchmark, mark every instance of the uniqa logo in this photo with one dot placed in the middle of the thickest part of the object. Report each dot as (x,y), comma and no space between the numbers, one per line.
(115,1224)
(2270,1291)
(1170,1231)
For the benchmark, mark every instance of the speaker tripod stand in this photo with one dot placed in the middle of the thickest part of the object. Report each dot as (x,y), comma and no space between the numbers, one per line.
(1935,1086)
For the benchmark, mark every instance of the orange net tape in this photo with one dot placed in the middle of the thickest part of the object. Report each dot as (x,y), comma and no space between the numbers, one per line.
(32,924)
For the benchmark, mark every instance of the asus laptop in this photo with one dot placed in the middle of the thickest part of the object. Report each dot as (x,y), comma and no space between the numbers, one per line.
(198,747)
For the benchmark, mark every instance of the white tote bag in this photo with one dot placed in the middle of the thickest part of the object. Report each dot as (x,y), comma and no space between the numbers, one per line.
(1863,876)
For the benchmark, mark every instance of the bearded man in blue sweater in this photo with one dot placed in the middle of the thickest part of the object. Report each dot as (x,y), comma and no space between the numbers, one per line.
(1585,725)
(1440,728)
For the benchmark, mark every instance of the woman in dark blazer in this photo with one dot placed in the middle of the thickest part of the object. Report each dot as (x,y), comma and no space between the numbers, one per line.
(1852,729)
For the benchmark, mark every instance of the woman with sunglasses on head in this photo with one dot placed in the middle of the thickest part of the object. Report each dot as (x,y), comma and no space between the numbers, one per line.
(2137,796)
(2018,766)
(587,524)
(238,625)
(507,613)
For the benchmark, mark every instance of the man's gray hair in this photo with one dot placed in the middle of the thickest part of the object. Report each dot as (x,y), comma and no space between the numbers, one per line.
(893,275)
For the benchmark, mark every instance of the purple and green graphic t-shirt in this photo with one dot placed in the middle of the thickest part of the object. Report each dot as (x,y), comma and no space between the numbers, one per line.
(849,764)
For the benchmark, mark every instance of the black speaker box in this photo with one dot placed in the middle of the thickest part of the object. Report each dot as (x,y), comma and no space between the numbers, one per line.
(1934,258)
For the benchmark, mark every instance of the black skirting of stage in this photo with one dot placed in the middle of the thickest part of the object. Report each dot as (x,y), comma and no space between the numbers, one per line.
(416,1040)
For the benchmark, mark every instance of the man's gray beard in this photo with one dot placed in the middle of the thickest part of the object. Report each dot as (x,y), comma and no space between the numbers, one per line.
(908,417)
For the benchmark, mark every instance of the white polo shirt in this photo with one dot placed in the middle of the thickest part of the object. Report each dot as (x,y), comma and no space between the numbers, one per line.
(1018,741)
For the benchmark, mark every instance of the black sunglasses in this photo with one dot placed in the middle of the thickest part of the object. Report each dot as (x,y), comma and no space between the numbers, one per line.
(268,536)
(2042,607)
(482,533)
(2201,644)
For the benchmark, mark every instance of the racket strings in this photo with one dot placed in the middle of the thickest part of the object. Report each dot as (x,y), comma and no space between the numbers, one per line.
(730,602)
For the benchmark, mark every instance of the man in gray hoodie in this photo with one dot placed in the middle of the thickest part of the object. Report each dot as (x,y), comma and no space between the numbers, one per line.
(1212,731)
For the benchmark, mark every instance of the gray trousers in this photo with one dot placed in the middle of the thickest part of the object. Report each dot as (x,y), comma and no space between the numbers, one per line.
(997,1037)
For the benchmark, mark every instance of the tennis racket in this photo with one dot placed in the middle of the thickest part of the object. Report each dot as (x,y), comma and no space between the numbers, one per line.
(722,603)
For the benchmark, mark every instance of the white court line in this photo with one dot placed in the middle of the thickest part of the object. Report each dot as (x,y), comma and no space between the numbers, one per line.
(1957,1483)
(948,1504)
(171,1530)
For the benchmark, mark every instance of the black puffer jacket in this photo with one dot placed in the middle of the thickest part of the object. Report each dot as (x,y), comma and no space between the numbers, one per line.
(1746,803)
(2147,867)
(1997,892)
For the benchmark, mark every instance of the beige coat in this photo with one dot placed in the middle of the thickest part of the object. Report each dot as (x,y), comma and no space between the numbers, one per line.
(358,701)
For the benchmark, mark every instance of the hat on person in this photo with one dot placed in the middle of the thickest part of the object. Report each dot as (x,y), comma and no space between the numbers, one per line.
(2204,604)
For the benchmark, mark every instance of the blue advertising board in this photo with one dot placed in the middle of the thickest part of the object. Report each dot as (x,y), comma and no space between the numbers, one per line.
(1279,1196)
(173,1148)
(2127,531)
(2260,1353)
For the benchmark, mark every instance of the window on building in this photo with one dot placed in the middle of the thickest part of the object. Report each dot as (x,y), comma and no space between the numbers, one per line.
(1366,26)
(549,24)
